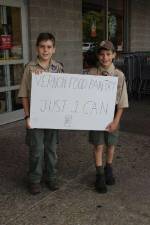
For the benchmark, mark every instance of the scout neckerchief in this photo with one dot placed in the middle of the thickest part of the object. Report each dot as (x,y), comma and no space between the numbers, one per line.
(106,72)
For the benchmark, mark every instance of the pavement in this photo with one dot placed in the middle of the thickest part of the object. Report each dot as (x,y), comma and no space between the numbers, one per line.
(76,202)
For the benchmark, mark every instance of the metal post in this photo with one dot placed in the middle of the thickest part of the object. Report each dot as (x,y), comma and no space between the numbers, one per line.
(106,19)
(126,26)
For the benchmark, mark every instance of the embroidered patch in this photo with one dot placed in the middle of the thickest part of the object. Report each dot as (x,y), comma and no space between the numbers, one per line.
(53,68)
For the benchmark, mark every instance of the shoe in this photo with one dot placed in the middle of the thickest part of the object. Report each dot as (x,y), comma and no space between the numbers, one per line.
(35,188)
(109,177)
(53,184)
(100,184)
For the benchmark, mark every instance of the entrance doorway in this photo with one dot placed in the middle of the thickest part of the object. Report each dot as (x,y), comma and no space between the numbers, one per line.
(13,56)
(101,20)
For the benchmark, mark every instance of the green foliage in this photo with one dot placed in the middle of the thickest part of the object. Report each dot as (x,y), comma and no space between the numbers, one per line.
(99,19)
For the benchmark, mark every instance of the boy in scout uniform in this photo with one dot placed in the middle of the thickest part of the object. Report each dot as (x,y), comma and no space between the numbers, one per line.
(42,142)
(109,137)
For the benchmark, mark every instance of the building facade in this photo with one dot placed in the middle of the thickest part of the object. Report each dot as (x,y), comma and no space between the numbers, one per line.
(73,22)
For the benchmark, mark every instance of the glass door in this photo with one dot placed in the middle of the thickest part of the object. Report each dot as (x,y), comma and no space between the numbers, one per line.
(103,19)
(13,56)
(94,30)
(116,23)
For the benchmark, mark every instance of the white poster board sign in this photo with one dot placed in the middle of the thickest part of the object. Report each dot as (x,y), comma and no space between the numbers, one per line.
(72,101)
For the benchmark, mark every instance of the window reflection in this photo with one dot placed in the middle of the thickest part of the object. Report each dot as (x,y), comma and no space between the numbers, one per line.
(10,33)
(93,21)
(3,102)
(16,72)
(16,102)
(93,30)
(115,23)
(2,76)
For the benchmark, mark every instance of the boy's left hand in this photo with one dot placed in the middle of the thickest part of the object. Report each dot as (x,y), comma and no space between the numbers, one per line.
(112,127)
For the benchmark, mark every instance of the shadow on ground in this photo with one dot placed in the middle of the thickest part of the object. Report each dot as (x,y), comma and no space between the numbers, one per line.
(136,119)
(77,203)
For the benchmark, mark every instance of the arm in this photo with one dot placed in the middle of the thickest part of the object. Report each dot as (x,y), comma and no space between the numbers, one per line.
(115,123)
(26,107)
(121,101)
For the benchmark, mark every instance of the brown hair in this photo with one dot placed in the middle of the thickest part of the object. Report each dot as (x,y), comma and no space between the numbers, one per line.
(45,37)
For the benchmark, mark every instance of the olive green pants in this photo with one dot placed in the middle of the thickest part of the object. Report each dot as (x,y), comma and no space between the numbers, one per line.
(42,151)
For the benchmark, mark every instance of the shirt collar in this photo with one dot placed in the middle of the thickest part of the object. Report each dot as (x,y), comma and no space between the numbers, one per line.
(51,63)
(110,70)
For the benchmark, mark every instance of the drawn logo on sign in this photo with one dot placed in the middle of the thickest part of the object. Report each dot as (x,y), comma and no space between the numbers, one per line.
(68,120)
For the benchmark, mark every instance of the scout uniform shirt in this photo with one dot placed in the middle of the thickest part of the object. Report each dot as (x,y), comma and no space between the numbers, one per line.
(122,96)
(25,87)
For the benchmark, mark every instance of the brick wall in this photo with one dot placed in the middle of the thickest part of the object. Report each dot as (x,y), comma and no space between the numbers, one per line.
(140,25)
(63,18)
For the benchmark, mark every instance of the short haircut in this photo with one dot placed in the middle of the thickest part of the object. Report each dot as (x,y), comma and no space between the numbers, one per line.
(100,49)
(45,37)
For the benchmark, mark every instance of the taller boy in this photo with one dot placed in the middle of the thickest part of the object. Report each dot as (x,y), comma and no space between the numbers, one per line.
(42,142)
(106,54)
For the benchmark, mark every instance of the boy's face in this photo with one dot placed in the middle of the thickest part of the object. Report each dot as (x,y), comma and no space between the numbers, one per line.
(45,50)
(106,57)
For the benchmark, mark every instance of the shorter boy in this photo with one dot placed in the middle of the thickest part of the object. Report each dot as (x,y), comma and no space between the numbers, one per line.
(42,142)
(109,137)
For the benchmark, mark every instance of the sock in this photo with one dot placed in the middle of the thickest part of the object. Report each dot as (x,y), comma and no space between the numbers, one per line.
(99,170)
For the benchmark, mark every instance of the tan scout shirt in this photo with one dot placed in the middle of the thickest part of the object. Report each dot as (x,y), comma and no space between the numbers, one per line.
(25,87)
(122,96)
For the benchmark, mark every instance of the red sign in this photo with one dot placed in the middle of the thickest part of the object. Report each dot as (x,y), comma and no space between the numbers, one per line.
(5,41)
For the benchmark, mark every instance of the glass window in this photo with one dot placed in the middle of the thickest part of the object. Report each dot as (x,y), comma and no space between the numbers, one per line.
(115,23)
(93,30)
(10,49)
(2,76)
(16,72)
(93,21)
(10,33)
(16,102)
(3,104)
(13,56)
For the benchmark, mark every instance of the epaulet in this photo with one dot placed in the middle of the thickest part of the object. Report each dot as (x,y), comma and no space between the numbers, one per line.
(31,63)
(118,72)
(93,71)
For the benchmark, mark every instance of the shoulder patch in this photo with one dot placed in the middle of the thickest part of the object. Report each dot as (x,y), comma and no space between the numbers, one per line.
(57,66)
(54,68)
(119,72)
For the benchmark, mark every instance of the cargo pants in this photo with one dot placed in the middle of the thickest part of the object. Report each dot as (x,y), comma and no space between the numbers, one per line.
(42,151)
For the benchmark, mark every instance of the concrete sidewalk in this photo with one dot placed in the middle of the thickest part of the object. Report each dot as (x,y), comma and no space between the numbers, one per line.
(76,202)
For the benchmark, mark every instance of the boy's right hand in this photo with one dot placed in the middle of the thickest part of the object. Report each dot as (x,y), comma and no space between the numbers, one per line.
(111,127)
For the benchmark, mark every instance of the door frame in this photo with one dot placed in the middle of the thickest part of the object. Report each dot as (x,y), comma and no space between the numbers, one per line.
(12,116)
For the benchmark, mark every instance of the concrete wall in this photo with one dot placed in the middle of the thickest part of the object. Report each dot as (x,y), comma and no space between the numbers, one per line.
(140,25)
(63,18)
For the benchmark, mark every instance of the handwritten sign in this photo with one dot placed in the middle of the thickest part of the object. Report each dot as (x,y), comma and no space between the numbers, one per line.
(72,101)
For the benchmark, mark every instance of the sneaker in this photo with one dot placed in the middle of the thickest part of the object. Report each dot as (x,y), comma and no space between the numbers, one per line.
(53,184)
(110,179)
(35,188)
(100,184)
